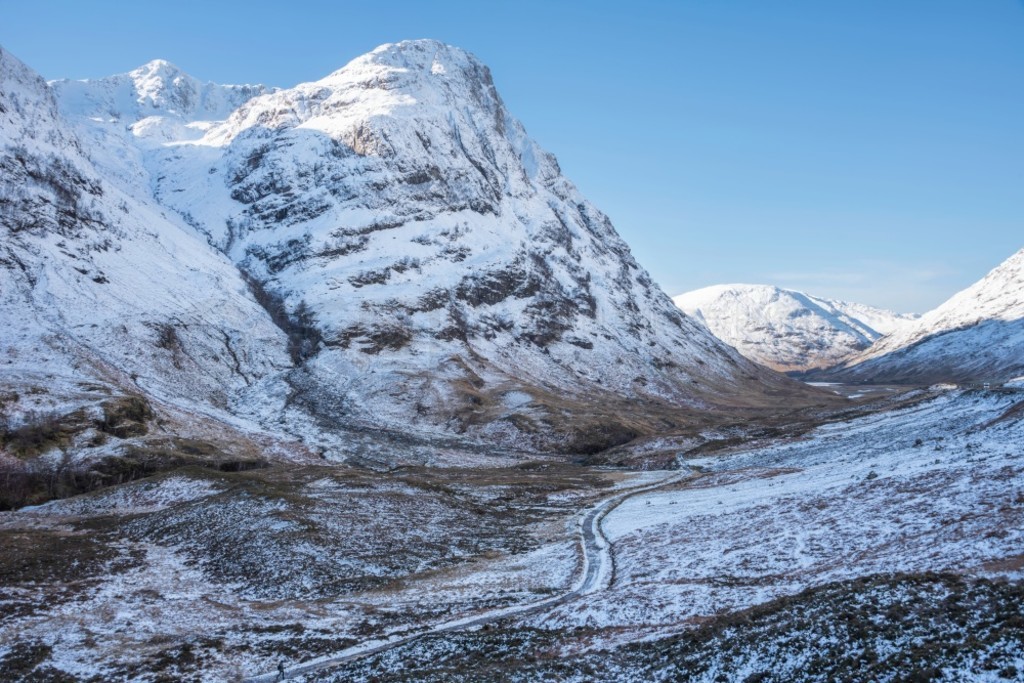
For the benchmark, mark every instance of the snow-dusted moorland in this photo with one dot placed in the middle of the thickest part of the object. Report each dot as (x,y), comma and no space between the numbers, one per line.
(216,576)
(871,549)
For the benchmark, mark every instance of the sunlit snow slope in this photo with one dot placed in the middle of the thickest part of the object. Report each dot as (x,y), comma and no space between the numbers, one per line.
(157,104)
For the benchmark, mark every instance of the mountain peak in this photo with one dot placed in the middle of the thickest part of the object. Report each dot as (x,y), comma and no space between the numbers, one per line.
(418,68)
(400,206)
(158,68)
(399,95)
(161,85)
(443,272)
(424,55)
(158,88)
(975,335)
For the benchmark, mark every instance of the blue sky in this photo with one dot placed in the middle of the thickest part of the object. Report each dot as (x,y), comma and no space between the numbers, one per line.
(862,149)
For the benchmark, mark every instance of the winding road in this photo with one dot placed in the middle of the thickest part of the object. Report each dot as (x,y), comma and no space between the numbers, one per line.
(597,566)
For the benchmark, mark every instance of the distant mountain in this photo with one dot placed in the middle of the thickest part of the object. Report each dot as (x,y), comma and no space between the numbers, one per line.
(786,330)
(975,336)
(381,249)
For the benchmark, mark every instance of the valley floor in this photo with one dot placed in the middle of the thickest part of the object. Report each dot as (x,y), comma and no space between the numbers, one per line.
(882,547)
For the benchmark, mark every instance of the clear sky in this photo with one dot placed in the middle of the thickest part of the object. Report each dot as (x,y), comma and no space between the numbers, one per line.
(863,149)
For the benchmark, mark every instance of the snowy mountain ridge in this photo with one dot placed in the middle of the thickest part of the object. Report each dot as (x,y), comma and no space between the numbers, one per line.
(157,90)
(787,330)
(119,118)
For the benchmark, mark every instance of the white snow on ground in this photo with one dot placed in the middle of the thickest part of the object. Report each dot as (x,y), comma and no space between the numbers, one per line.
(546,570)
(297,594)
(849,499)
(135,497)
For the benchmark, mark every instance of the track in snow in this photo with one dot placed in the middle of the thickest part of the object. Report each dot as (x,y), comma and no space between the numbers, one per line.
(597,565)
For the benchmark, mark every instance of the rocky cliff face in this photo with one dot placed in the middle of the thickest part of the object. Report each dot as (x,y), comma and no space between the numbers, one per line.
(975,336)
(786,330)
(426,265)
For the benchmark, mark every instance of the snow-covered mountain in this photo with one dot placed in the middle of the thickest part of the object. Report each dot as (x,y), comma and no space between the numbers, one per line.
(423,262)
(975,336)
(153,98)
(124,336)
(788,330)
(105,293)
(157,104)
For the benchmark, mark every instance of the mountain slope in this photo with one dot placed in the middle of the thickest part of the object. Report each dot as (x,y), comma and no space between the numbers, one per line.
(975,336)
(450,277)
(102,294)
(787,330)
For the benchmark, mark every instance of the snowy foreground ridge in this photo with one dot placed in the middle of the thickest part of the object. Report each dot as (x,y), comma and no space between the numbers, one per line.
(347,380)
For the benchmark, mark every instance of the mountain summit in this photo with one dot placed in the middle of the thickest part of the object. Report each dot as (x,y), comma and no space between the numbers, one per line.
(157,88)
